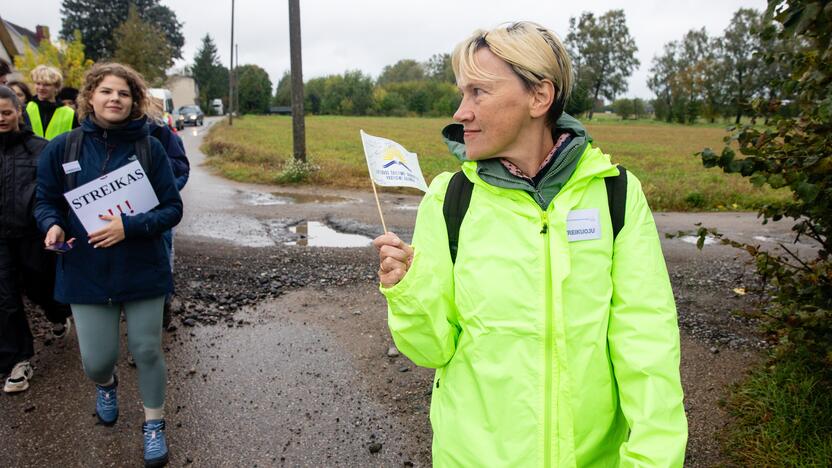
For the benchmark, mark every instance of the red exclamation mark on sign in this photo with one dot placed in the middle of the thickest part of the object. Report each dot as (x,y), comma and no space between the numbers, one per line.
(129,206)
(111,212)
(119,209)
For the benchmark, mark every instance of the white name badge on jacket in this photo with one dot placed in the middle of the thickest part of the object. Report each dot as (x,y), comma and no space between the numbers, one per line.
(72,166)
(583,225)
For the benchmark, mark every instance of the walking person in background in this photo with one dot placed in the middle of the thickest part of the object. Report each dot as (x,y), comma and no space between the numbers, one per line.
(24,94)
(159,127)
(25,267)
(48,117)
(67,96)
(552,326)
(122,266)
(22,91)
(5,70)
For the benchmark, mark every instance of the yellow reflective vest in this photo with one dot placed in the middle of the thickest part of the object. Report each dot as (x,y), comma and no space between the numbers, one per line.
(61,121)
(550,350)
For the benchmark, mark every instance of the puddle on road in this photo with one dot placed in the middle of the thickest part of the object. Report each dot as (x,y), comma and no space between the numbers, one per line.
(317,234)
(252,232)
(288,198)
(693,239)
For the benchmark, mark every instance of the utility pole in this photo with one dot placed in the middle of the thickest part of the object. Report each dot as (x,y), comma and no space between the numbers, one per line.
(236,84)
(298,126)
(231,73)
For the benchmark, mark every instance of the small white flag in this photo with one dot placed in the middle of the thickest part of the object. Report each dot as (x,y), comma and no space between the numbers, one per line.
(391,165)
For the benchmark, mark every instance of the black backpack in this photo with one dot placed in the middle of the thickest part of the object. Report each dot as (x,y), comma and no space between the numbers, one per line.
(458,197)
(72,151)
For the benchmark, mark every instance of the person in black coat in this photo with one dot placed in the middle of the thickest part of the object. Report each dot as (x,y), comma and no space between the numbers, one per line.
(25,268)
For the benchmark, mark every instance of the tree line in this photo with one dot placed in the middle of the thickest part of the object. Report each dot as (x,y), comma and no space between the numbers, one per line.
(698,76)
(702,76)
(141,33)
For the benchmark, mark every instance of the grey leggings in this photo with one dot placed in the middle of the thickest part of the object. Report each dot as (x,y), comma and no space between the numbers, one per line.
(98,337)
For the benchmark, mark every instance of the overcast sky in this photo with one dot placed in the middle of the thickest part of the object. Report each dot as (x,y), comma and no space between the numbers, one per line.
(369,34)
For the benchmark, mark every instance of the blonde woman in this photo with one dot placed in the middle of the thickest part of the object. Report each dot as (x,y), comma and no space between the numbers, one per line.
(554,337)
(122,266)
(48,117)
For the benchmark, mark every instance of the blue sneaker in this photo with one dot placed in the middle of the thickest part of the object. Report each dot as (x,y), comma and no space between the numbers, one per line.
(155,446)
(106,403)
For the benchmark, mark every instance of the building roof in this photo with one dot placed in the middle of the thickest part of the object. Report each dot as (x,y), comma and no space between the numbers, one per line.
(14,38)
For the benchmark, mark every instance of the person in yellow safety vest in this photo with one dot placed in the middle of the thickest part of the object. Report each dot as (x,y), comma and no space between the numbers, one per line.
(555,340)
(48,117)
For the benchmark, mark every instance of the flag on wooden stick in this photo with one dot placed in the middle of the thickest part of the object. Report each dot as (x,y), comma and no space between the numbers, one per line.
(391,165)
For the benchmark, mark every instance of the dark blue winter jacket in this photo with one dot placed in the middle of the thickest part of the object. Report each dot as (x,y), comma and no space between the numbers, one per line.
(135,268)
(175,149)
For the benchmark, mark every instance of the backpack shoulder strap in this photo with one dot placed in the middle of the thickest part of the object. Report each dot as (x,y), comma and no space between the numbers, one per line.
(72,151)
(143,153)
(617,199)
(457,199)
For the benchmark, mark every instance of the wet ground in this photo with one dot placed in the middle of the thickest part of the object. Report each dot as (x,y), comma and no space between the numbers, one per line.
(279,353)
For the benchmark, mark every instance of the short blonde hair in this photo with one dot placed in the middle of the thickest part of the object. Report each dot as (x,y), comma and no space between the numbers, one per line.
(534,53)
(94,77)
(47,74)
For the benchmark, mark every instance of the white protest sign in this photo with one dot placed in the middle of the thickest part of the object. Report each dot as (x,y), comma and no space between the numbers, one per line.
(126,190)
(391,165)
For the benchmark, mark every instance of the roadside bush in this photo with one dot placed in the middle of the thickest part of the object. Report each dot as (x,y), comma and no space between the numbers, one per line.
(695,199)
(782,415)
(623,108)
(295,172)
(796,153)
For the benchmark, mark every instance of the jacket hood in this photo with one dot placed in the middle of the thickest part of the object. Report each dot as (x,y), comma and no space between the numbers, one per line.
(454,138)
(132,130)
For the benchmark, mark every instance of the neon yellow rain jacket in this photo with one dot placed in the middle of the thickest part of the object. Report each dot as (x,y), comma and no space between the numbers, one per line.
(548,352)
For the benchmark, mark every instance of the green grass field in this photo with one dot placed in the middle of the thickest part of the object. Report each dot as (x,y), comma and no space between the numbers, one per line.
(256,148)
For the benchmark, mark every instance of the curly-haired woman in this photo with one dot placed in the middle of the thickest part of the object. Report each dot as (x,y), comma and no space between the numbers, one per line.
(122,266)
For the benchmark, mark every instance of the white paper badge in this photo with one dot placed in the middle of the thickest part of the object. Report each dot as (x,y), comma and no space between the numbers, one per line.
(583,225)
(72,166)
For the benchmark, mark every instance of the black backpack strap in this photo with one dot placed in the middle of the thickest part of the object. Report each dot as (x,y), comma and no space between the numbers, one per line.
(617,199)
(457,199)
(72,151)
(143,153)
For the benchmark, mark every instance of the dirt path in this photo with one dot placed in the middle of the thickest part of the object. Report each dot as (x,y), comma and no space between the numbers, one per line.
(279,353)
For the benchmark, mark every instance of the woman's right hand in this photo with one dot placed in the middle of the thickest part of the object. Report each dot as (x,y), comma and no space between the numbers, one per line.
(395,258)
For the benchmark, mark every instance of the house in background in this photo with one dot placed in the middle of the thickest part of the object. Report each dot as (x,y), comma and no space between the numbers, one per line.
(14,38)
(184,90)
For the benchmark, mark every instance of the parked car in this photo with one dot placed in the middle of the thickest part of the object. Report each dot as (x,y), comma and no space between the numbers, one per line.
(165,96)
(192,115)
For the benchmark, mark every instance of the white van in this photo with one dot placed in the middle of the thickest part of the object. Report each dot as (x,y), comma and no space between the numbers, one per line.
(216,105)
(166,97)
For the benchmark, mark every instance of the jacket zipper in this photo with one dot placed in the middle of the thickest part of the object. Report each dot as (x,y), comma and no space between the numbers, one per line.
(547,404)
